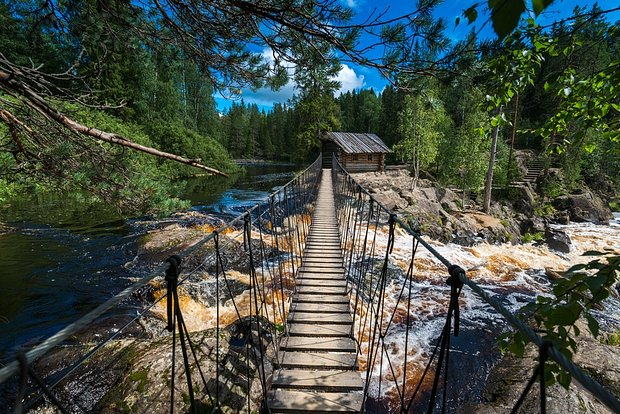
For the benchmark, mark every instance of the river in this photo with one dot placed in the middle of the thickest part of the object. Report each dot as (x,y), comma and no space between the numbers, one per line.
(512,274)
(65,256)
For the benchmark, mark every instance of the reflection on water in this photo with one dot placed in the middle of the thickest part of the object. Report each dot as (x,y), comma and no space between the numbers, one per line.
(67,254)
(235,194)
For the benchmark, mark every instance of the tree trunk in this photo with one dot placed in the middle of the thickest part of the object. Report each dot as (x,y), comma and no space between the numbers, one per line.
(39,104)
(488,185)
(509,175)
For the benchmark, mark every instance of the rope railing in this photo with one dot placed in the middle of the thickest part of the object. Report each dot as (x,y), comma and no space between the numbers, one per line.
(205,342)
(384,262)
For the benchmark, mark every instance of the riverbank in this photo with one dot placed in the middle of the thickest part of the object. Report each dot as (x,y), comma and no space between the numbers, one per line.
(496,252)
(449,216)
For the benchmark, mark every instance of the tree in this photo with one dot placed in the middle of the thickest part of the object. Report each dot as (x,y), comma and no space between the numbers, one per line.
(421,122)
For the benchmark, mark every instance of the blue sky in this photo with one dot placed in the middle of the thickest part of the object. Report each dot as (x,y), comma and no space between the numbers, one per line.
(352,76)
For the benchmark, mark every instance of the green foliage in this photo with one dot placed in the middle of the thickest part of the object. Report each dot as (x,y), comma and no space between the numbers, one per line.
(530,237)
(505,14)
(583,287)
(553,187)
(544,210)
(613,339)
(421,123)
(177,139)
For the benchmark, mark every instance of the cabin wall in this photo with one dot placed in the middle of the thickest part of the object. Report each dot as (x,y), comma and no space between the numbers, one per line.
(363,162)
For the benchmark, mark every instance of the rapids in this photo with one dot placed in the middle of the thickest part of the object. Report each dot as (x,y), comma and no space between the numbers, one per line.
(513,274)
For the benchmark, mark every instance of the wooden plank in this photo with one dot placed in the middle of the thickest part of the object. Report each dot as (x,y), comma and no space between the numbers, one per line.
(318,344)
(322,282)
(321,276)
(318,380)
(313,268)
(317,360)
(325,290)
(320,307)
(311,298)
(288,401)
(326,260)
(323,330)
(315,318)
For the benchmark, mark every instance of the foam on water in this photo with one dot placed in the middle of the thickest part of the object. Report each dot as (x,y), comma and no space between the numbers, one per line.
(513,274)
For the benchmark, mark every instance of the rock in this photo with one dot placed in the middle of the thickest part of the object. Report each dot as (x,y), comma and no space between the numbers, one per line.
(532,225)
(525,200)
(391,200)
(584,207)
(557,240)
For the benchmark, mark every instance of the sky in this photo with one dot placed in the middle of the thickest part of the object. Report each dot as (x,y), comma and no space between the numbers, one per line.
(352,76)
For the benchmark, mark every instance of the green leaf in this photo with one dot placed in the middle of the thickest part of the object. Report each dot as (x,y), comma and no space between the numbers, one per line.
(471,14)
(505,15)
(593,325)
(563,315)
(540,5)
(564,379)
(517,346)
(592,253)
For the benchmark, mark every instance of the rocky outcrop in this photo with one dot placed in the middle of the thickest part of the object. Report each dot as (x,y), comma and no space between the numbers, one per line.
(557,240)
(582,207)
(438,212)
(145,382)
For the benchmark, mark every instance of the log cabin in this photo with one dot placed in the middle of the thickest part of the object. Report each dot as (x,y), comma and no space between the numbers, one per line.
(355,151)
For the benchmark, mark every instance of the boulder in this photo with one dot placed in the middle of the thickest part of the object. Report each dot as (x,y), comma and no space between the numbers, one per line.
(532,225)
(557,240)
(391,200)
(584,207)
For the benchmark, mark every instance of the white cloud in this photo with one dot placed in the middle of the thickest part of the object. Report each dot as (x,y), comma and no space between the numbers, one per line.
(349,80)
(265,96)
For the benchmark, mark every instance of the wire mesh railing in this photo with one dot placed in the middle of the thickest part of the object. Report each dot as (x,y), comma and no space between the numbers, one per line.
(207,338)
(387,264)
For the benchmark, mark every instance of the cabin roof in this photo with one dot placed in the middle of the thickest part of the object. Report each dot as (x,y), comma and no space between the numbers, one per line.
(356,143)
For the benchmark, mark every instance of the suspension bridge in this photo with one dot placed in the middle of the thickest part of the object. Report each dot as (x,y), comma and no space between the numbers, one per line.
(308,292)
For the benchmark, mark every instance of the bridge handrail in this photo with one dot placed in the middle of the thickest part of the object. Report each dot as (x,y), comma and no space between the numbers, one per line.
(593,386)
(58,338)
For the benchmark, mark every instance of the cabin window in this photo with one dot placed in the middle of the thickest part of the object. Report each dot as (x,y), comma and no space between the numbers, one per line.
(354,157)
(369,157)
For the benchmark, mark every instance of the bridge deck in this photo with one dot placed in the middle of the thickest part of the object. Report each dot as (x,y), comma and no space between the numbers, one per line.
(318,368)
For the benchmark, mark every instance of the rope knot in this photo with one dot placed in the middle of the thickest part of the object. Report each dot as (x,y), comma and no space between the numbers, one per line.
(543,350)
(172,280)
(392,223)
(456,285)
(455,276)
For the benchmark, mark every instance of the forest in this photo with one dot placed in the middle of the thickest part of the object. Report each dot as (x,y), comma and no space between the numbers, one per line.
(552,89)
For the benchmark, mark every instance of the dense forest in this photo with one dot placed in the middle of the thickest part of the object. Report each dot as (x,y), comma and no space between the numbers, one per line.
(550,89)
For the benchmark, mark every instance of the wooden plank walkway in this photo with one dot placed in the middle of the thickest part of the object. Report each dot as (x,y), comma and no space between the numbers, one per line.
(317,363)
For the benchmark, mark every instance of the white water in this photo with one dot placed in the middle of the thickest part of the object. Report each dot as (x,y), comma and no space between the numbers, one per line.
(514,274)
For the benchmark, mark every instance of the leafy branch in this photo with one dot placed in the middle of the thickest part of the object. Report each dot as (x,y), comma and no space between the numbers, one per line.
(584,288)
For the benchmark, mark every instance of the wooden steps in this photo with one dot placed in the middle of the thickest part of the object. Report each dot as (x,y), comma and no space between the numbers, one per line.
(317,362)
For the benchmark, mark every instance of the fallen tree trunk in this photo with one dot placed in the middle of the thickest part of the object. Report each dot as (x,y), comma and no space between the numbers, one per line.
(12,86)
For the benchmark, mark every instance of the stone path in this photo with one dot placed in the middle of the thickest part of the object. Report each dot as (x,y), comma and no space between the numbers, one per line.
(318,369)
